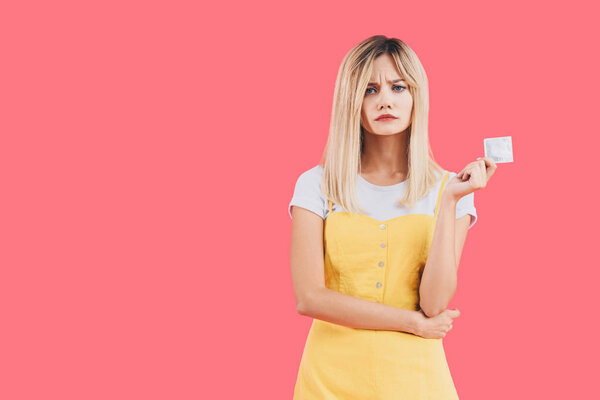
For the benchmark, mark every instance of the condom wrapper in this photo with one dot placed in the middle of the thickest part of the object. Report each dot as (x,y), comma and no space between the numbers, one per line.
(499,149)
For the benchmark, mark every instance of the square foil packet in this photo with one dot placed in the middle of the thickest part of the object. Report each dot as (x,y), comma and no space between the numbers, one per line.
(499,149)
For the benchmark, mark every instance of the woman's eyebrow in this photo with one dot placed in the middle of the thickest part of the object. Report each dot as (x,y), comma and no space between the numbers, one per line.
(394,81)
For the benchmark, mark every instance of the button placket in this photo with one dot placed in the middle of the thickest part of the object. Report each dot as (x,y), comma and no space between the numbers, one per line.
(381,263)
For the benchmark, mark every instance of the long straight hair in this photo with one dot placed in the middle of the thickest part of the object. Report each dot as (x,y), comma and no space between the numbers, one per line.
(341,159)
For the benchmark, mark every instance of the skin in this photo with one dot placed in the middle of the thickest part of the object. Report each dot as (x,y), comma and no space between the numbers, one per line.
(438,282)
(381,165)
(384,140)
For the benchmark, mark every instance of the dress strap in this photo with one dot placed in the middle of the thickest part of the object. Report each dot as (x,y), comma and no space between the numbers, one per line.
(330,205)
(437,204)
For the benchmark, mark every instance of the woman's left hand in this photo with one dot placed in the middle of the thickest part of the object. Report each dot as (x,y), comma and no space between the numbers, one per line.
(472,177)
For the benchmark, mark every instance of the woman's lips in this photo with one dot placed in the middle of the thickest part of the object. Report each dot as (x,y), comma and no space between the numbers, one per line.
(385,119)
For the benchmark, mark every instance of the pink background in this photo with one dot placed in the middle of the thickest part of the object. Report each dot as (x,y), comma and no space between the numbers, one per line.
(150,149)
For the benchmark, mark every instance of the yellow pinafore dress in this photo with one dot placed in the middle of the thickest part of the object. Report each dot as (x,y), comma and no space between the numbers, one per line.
(379,261)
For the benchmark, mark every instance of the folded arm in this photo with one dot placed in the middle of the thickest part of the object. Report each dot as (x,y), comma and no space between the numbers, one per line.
(439,279)
(315,300)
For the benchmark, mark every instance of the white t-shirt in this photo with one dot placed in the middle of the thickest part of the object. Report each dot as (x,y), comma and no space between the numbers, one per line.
(380,202)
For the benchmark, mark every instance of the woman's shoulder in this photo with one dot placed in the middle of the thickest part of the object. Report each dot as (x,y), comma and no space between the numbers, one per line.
(310,178)
(317,169)
(439,176)
(435,189)
(313,173)
(445,172)
(307,192)
(466,204)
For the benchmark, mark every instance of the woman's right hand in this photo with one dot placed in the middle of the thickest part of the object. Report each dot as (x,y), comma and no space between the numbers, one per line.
(435,327)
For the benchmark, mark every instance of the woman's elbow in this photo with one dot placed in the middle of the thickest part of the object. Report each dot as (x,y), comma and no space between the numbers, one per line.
(304,304)
(301,308)
(432,311)
(307,302)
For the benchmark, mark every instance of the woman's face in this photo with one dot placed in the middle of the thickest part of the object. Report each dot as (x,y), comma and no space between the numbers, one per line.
(386,94)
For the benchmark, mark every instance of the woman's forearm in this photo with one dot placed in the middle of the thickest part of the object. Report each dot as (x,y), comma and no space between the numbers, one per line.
(343,309)
(438,281)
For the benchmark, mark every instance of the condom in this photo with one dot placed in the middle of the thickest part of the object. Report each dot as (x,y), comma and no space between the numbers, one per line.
(499,149)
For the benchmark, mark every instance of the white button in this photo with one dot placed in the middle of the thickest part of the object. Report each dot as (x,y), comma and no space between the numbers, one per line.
(381,263)
(382,245)
(382,226)
(378,284)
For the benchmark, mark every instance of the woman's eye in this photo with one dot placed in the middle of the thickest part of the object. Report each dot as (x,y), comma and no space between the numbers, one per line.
(402,88)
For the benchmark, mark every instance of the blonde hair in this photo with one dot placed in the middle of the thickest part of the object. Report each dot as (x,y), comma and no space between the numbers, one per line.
(341,158)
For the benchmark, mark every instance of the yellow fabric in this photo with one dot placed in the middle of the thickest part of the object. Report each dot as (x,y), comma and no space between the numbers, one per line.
(379,261)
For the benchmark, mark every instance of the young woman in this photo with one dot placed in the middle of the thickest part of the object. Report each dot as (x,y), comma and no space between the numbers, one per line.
(377,234)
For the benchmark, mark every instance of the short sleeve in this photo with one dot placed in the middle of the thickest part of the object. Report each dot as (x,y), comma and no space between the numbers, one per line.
(466,205)
(307,192)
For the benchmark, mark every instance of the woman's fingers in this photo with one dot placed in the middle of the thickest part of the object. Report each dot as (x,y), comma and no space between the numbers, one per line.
(473,172)
(490,166)
(481,169)
(482,177)
(465,174)
(478,174)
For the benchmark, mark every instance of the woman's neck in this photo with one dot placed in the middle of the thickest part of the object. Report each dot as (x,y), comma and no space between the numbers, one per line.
(384,157)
